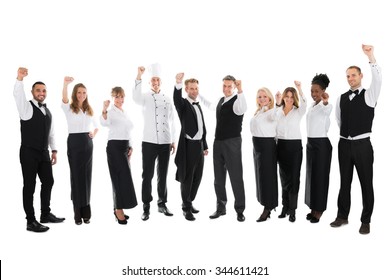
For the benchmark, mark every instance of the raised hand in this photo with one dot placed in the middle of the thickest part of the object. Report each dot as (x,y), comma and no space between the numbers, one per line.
(22,72)
(179,78)
(68,80)
(297,84)
(369,51)
(238,84)
(278,98)
(106,103)
(141,71)
(325,98)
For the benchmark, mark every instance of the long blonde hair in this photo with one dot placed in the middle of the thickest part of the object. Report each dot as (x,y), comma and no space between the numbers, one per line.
(269,95)
(74,102)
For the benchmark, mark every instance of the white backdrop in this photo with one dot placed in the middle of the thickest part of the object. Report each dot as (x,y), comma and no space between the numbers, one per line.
(272,43)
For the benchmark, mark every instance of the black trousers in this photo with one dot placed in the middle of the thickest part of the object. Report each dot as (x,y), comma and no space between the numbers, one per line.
(227,158)
(265,162)
(290,161)
(35,163)
(120,173)
(151,152)
(358,153)
(318,161)
(194,172)
(80,149)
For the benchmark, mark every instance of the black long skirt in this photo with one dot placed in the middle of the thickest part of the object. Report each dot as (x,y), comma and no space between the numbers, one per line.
(122,181)
(290,161)
(318,161)
(265,161)
(80,148)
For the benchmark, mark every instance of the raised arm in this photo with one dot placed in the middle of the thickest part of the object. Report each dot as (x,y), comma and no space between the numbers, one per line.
(376,74)
(67,81)
(177,93)
(302,99)
(239,106)
(137,91)
(24,107)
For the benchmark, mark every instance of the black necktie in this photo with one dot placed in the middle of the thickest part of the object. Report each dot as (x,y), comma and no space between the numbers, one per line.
(355,91)
(41,104)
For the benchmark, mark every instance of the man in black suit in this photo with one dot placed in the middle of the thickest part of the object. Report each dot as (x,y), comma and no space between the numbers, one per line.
(192,143)
(37,134)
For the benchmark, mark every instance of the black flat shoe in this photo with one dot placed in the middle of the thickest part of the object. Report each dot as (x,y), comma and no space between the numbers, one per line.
(217,214)
(164,210)
(86,221)
(194,210)
(51,218)
(78,222)
(309,216)
(145,216)
(292,218)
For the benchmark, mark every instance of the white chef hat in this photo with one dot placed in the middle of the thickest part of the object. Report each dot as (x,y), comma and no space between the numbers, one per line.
(155,70)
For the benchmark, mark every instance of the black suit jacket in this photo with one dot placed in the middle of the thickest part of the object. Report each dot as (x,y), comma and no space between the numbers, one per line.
(189,126)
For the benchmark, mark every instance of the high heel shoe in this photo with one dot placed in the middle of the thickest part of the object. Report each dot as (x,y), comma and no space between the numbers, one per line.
(121,222)
(284,213)
(264,216)
(126,217)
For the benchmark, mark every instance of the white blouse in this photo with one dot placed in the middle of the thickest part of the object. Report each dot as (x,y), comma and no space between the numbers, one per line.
(118,123)
(78,123)
(289,126)
(317,120)
(263,124)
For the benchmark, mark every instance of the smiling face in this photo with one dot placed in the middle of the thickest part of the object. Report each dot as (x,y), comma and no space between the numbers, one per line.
(81,95)
(192,90)
(119,99)
(316,92)
(354,77)
(262,99)
(39,92)
(155,84)
(228,87)
(288,99)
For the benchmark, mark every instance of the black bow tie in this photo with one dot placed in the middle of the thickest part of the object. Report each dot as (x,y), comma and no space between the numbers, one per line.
(355,91)
(41,104)
(195,103)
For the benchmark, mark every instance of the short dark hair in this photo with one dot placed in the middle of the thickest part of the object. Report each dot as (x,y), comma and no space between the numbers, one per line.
(229,78)
(37,83)
(355,67)
(322,80)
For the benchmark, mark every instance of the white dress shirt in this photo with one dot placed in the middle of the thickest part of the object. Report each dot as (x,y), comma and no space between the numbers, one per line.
(317,120)
(158,114)
(78,123)
(26,110)
(263,123)
(118,123)
(289,126)
(239,106)
(370,96)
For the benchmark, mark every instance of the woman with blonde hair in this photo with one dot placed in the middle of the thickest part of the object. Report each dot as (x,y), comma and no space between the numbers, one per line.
(119,150)
(263,129)
(289,147)
(82,128)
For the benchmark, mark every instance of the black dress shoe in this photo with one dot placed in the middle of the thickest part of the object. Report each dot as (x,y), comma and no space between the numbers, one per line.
(51,218)
(145,216)
(240,217)
(194,210)
(364,229)
(339,222)
(189,216)
(309,216)
(164,210)
(86,221)
(292,218)
(78,222)
(217,214)
(36,227)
